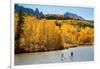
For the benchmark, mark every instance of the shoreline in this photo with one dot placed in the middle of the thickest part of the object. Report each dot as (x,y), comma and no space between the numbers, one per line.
(56,50)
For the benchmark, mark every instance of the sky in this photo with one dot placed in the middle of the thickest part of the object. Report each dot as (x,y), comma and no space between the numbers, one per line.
(86,13)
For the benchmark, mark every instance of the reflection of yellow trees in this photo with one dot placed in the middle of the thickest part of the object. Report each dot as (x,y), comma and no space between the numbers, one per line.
(43,35)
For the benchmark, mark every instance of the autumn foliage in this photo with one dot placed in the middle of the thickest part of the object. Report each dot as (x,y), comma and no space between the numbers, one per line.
(47,35)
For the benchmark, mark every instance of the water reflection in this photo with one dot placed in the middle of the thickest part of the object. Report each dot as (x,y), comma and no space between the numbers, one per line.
(67,55)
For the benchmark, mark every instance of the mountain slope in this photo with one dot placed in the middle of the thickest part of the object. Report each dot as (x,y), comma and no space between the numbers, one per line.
(74,16)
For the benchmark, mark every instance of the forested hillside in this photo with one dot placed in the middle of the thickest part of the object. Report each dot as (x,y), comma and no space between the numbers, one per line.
(35,31)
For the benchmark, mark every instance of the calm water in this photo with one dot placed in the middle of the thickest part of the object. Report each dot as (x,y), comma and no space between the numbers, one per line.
(79,54)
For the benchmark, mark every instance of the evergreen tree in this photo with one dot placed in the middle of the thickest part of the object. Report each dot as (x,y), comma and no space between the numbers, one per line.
(20,31)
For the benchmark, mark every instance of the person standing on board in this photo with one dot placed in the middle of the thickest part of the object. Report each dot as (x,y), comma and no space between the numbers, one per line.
(71,56)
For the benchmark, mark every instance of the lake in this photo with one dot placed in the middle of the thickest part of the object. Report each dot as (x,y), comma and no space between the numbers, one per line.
(79,54)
